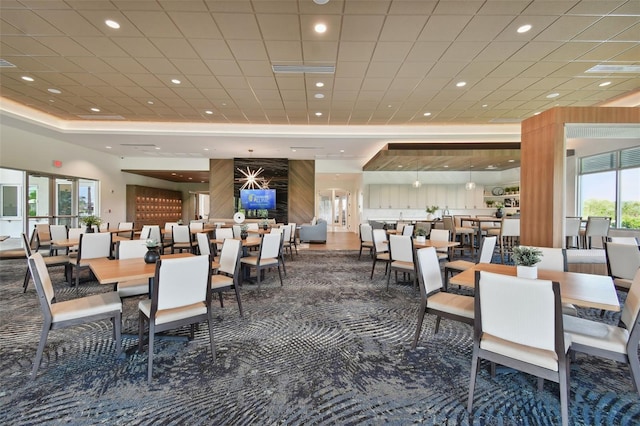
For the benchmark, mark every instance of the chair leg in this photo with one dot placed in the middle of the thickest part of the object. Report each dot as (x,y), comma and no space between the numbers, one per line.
(437,324)
(151,338)
(46,326)
(563,381)
(117,328)
(280,275)
(472,381)
(141,318)
(221,302)
(372,268)
(360,253)
(239,300)
(212,342)
(388,278)
(419,325)
(258,276)
(25,284)
(634,366)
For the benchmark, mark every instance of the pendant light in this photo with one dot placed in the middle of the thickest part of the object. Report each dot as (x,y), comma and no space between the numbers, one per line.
(470,185)
(417,183)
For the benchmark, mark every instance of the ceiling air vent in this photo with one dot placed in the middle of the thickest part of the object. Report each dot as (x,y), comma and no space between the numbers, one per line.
(615,68)
(304,69)
(6,64)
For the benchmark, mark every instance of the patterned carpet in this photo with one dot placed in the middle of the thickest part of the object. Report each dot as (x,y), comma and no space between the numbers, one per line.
(330,347)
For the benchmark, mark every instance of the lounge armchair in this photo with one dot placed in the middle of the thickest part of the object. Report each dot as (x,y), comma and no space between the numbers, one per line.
(314,233)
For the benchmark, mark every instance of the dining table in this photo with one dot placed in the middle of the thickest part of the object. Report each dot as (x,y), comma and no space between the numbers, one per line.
(477,222)
(110,271)
(586,290)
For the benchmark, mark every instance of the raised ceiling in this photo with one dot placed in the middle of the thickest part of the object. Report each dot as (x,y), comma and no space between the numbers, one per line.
(395,61)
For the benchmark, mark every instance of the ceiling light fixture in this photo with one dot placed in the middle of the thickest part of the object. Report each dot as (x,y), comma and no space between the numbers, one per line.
(604,83)
(208,112)
(321,2)
(461,84)
(175,81)
(553,95)
(27,78)
(318,96)
(470,185)
(427,114)
(108,147)
(524,28)
(320,28)
(94,109)
(56,91)
(112,24)
(417,183)
(319,84)
(318,114)
(150,102)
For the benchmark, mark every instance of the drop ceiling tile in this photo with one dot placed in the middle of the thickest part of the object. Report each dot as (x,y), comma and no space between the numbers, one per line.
(541,69)
(92,65)
(391,51)
(463,51)
(160,66)
(476,71)
(549,7)
(137,5)
(382,69)
(607,51)
(410,70)
(97,19)
(280,27)
(446,69)
(361,28)
(351,69)
(510,69)
(443,28)
(500,51)
(590,7)
(325,52)
(233,83)
(251,50)
(355,50)
(174,47)
(345,95)
(256,68)
(630,7)
(566,28)
(211,49)
(216,95)
(573,69)
(28,65)
(6,29)
(64,46)
(485,27)
(148,81)
(170,5)
(630,34)
(363,7)
(238,26)
(29,22)
(631,55)
(188,93)
(402,28)
(607,28)
(70,22)
(152,23)
(377,84)
(84,79)
(456,7)
(223,68)
(262,83)
(191,67)
(101,47)
(235,6)
(137,47)
(290,81)
(127,65)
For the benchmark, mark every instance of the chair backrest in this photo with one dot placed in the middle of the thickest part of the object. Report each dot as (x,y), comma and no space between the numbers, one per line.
(204,245)
(181,234)
(510,227)
(314,221)
(230,256)
(429,276)
(131,249)
(631,306)
(74,234)
(572,226)
(407,230)
(458,220)
(145,233)
(286,230)
(439,235)
(125,226)
(237,230)
(252,225)
(42,281)
(618,240)
(424,225)
(520,310)
(26,246)
(447,222)
(94,245)
(380,242)
(168,229)
(181,281)
(104,226)
(365,232)
(275,230)
(224,233)
(401,248)
(597,226)
(58,232)
(270,245)
(293,231)
(553,259)
(42,232)
(623,260)
(488,246)
(196,226)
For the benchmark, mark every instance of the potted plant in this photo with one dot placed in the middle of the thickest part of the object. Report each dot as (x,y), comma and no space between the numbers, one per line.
(244,232)
(525,258)
(490,203)
(90,222)
(499,209)
(265,223)
(421,235)
(152,255)
(431,210)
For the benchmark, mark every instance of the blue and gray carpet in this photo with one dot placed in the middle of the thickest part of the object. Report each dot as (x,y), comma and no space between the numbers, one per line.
(329,347)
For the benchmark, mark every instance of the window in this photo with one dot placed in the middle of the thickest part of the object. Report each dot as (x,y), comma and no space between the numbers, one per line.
(609,187)
(10,201)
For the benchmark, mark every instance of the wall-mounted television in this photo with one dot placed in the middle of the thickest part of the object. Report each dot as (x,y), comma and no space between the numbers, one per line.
(258,199)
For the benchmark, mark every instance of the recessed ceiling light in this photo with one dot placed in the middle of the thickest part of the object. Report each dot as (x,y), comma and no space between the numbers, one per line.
(206,149)
(108,147)
(427,114)
(51,100)
(484,105)
(400,166)
(112,24)
(157,147)
(604,83)
(318,96)
(446,166)
(553,95)
(321,1)
(536,113)
(342,150)
(56,91)
(201,181)
(27,78)
(512,161)
(524,28)
(190,178)
(173,174)
(319,84)
(318,114)
(320,28)
(94,109)
(461,84)
(175,81)
(208,112)
(150,102)
(293,150)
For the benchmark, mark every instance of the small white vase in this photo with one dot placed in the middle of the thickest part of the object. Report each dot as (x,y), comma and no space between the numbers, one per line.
(530,272)
(430,216)
(421,239)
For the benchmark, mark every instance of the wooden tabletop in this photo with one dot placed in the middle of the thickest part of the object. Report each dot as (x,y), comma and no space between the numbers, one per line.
(260,231)
(249,242)
(109,271)
(588,290)
(436,244)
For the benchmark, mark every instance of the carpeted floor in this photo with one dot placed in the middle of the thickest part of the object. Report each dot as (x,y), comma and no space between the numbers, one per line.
(329,347)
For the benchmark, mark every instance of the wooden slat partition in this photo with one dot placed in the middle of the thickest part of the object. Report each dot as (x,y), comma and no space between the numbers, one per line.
(301,191)
(221,188)
(542,183)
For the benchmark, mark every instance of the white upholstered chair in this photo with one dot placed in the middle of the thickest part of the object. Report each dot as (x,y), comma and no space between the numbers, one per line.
(623,260)
(180,296)
(182,239)
(126,228)
(435,301)
(91,246)
(618,343)
(457,266)
(407,230)
(50,261)
(131,249)
(401,257)
(70,312)
(596,231)
(227,275)
(443,236)
(58,232)
(572,226)
(380,250)
(366,238)
(518,324)
(268,256)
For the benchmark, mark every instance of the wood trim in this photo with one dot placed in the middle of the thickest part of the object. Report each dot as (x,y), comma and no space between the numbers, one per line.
(221,188)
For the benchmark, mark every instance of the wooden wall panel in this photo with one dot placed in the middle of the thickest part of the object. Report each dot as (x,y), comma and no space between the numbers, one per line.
(301,190)
(221,188)
(542,190)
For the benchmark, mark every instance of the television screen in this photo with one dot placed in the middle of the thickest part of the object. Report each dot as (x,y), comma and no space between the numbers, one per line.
(258,199)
